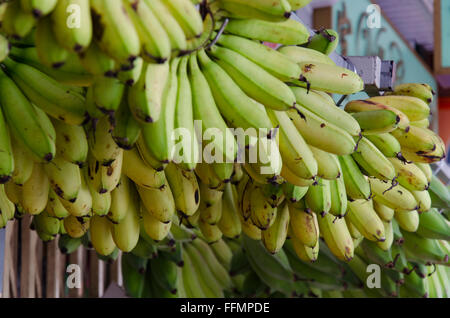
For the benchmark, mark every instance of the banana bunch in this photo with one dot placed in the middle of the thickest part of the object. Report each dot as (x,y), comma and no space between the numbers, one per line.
(100,105)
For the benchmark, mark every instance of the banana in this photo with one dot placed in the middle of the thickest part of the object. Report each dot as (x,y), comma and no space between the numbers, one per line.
(72,24)
(71,142)
(338,197)
(300,54)
(14,192)
(328,164)
(409,175)
(188,154)
(224,142)
(290,177)
(54,207)
(187,17)
(96,62)
(207,176)
(185,189)
(101,202)
(238,109)
(4,48)
(373,162)
(67,244)
(76,227)
(157,136)
(254,80)
(223,171)
(267,58)
(385,213)
(130,76)
(205,276)
(421,91)
(336,236)
(329,78)
(318,197)
(389,235)
(48,94)
(249,229)
(108,93)
(154,228)
(127,130)
(39,8)
(415,108)
(7,207)
(103,179)
(50,53)
(102,145)
(433,225)
(17,23)
(64,177)
(71,74)
(229,223)
(356,184)
(304,225)
(165,274)
(46,224)
(424,123)
(303,252)
(424,157)
(119,38)
(357,106)
(407,220)
(190,280)
(211,233)
(154,40)
(23,121)
(418,139)
(7,159)
(356,235)
(278,10)
(211,214)
(126,233)
(142,174)
(160,203)
(213,262)
(423,200)
(426,250)
(393,196)
(173,29)
(262,213)
(426,169)
(100,230)
(324,41)
(121,200)
(274,237)
(298,4)
(294,193)
(377,121)
(321,134)
(289,32)
(316,103)
(296,154)
(439,193)
(35,191)
(386,143)
(363,216)
(82,206)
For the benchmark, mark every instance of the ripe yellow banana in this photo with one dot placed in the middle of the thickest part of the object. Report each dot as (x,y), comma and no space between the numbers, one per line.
(274,237)
(157,230)
(35,191)
(336,236)
(320,133)
(409,175)
(414,108)
(121,200)
(304,226)
(82,206)
(363,216)
(394,196)
(100,235)
(76,227)
(407,220)
(159,203)
(384,212)
(126,233)
(64,177)
(211,214)
(142,174)
(328,164)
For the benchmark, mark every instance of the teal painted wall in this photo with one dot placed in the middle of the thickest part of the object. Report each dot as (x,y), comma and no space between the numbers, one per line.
(445,32)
